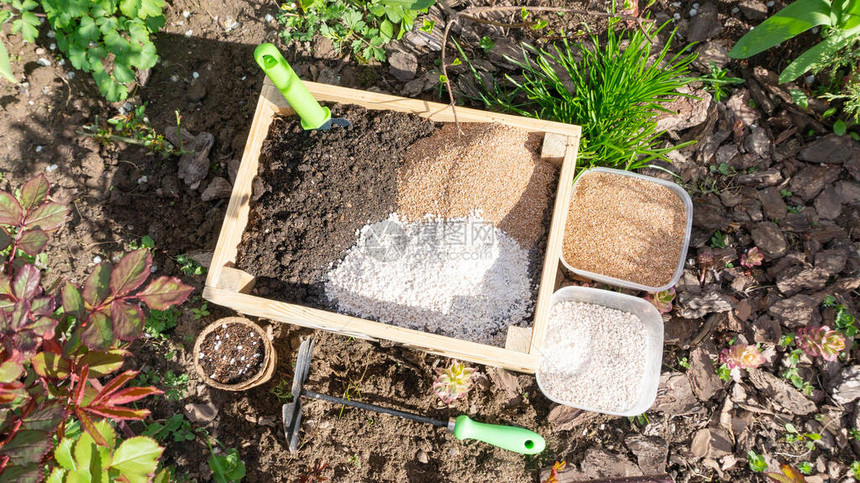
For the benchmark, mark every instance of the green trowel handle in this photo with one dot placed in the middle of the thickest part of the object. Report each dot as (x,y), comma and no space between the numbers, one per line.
(269,59)
(511,438)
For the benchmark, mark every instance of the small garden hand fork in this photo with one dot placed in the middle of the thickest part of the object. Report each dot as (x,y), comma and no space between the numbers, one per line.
(519,440)
(312,114)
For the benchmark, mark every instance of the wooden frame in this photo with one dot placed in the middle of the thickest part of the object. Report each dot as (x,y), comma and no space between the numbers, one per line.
(230,287)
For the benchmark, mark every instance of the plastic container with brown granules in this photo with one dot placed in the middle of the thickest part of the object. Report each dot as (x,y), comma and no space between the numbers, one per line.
(628,230)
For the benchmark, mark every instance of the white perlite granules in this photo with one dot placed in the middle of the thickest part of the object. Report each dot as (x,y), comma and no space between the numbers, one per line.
(593,357)
(459,277)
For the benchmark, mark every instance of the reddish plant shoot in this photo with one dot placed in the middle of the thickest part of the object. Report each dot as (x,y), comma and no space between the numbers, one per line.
(742,356)
(453,382)
(662,300)
(788,474)
(752,258)
(54,363)
(553,473)
(821,341)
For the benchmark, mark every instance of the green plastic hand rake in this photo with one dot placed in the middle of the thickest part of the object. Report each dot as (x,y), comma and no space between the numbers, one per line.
(312,114)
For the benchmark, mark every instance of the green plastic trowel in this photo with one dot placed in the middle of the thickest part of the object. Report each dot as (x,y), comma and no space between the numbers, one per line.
(312,114)
(511,438)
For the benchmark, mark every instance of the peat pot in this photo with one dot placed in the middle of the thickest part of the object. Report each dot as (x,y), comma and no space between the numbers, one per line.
(263,371)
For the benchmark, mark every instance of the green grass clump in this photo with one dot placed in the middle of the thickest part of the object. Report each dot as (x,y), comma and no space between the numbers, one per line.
(612,88)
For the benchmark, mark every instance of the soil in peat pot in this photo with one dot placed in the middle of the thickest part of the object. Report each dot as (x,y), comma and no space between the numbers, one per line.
(315,190)
(231,353)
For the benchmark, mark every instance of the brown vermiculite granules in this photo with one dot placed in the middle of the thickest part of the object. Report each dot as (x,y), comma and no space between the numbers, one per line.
(624,227)
(492,168)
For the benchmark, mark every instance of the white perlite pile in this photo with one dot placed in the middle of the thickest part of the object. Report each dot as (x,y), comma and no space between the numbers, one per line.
(593,356)
(459,277)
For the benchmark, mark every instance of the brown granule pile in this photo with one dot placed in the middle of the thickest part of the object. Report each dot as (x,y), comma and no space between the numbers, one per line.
(493,168)
(625,228)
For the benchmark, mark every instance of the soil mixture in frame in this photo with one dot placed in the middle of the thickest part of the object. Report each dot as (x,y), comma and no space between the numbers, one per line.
(314,190)
(231,353)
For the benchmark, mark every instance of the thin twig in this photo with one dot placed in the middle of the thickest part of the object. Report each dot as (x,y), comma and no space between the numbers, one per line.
(445,74)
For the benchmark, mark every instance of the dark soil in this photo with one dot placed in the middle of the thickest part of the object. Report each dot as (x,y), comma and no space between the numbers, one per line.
(315,189)
(232,354)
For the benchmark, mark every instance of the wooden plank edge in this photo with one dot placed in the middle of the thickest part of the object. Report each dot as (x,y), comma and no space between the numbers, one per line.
(554,245)
(237,209)
(333,322)
(432,110)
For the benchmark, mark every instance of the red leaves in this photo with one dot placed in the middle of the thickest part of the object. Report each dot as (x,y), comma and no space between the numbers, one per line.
(164,292)
(73,302)
(108,401)
(10,209)
(34,192)
(127,320)
(130,272)
(22,331)
(107,305)
(48,217)
(98,333)
(32,241)
(26,282)
(789,475)
(97,286)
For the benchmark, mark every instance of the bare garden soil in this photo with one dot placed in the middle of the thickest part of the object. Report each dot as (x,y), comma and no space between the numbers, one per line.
(120,194)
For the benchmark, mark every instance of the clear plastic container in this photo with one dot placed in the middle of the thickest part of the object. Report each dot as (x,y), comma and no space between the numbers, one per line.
(652,345)
(679,268)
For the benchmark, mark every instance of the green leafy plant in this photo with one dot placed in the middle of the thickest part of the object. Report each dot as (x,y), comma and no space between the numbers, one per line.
(227,467)
(60,347)
(613,89)
(683,362)
(855,469)
(145,242)
(283,390)
(724,372)
(175,385)
(794,436)
(719,239)
(821,341)
(840,20)
(132,128)
(92,32)
(81,459)
(486,43)
(189,266)
(805,467)
(363,26)
(5,65)
(850,97)
(716,81)
(201,312)
(792,374)
(161,321)
(756,461)
(453,382)
(723,169)
(175,428)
